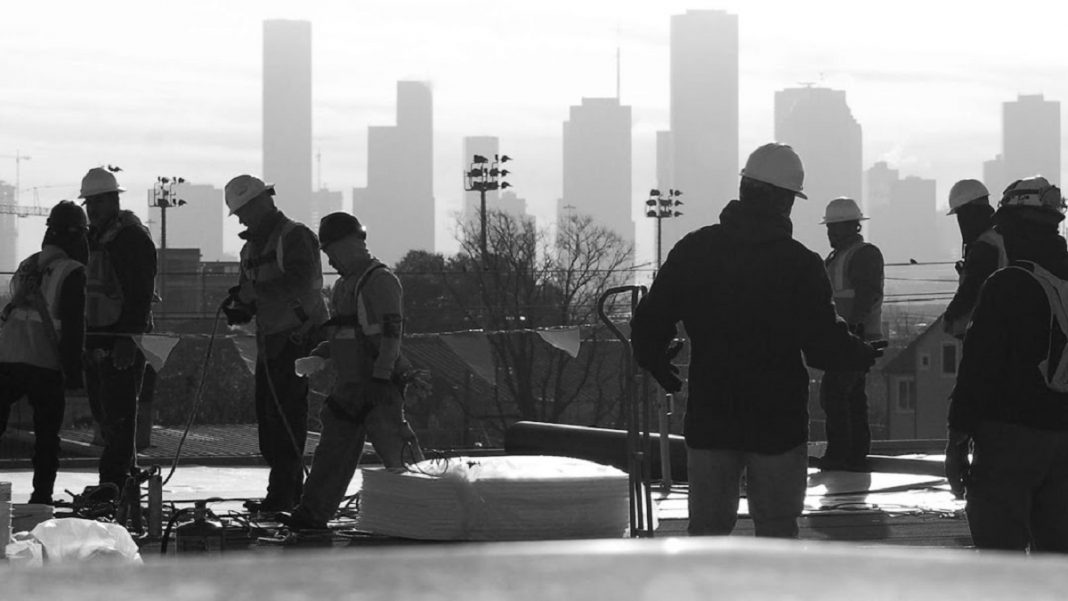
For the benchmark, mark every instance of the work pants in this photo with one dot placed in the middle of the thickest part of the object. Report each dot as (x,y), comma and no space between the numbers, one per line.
(348,420)
(845,403)
(1017,488)
(282,418)
(775,484)
(43,388)
(113,402)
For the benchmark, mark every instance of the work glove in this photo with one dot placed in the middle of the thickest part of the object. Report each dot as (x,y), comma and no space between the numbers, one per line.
(244,293)
(957,464)
(123,353)
(378,392)
(666,373)
(306,366)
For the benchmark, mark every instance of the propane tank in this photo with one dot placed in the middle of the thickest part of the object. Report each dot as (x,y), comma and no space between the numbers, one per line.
(204,534)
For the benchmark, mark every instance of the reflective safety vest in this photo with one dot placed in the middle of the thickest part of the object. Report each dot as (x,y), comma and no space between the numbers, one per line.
(25,336)
(103,292)
(352,348)
(274,315)
(844,293)
(990,237)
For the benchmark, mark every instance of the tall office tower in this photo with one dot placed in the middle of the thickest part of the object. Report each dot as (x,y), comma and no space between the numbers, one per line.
(597,165)
(397,204)
(907,225)
(287,114)
(196,224)
(324,202)
(9,234)
(486,146)
(1031,138)
(704,117)
(513,205)
(818,124)
(995,178)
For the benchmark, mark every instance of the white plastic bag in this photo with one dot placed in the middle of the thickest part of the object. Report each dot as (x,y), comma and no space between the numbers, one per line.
(25,551)
(75,539)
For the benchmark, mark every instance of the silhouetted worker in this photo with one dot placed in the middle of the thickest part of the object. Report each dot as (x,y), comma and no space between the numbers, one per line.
(1011,396)
(756,305)
(856,271)
(281,285)
(118,306)
(364,346)
(983,251)
(42,337)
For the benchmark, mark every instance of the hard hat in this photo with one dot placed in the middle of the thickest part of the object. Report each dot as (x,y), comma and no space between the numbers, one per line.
(99,181)
(1033,192)
(778,165)
(842,209)
(964,192)
(337,226)
(242,189)
(67,216)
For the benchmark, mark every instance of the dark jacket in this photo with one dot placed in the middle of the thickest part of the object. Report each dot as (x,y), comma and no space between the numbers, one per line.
(133,256)
(980,261)
(1010,334)
(756,305)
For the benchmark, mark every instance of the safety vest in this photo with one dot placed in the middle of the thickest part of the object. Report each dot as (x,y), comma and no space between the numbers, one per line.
(25,336)
(844,293)
(103,292)
(274,315)
(990,237)
(351,345)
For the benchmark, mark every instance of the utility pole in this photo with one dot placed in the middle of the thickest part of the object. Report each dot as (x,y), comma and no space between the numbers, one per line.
(164,197)
(484,175)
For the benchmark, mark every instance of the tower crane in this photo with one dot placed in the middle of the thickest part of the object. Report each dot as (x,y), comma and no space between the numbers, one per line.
(26,211)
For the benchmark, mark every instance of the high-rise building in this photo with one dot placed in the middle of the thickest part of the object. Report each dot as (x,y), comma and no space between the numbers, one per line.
(704,117)
(196,224)
(994,178)
(287,114)
(324,202)
(818,124)
(513,205)
(1031,138)
(397,204)
(486,146)
(9,234)
(906,226)
(597,164)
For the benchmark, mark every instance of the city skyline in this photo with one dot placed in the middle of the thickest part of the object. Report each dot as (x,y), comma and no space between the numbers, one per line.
(193,107)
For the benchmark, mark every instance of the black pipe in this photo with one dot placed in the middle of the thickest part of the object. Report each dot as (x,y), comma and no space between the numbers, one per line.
(600,445)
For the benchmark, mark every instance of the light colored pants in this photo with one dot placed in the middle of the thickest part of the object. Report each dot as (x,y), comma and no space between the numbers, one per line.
(776,487)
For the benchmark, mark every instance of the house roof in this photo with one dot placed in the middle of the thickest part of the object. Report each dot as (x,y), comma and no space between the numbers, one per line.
(905,361)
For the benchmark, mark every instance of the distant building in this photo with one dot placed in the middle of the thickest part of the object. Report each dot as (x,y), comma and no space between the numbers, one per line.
(9,234)
(597,165)
(919,381)
(287,114)
(397,204)
(324,202)
(512,204)
(994,178)
(486,146)
(907,226)
(704,118)
(178,284)
(819,125)
(196,224)
(1031,138)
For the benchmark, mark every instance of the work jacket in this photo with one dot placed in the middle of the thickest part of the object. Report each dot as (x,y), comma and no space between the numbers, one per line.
(1011,334)
(756,306)
(282,261)
(856,273)
(982,258)
(364,334)
(52,281)
(121,280)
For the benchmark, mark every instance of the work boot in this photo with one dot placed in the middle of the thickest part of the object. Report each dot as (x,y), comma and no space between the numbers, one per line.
(297,520)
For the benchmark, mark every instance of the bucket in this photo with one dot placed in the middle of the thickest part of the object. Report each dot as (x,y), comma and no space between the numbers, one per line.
(24,516)
(5,517)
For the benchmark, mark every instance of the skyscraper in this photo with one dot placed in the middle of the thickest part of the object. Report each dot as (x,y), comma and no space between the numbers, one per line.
(704,117)
(994,178)
(287,114)
(397,204)
(9,233)
(818,124)
(486,146)
(597,164)
(324,202)
(1031,138)
(196,224)
(907,225)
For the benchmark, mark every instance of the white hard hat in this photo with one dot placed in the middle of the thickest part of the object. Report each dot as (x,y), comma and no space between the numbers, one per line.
(842,209)
(778,165)
(964,192)
(99,181)
(242,189)
(1035,192)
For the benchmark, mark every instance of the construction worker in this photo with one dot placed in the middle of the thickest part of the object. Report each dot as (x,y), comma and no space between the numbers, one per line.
(280,285)
(118,306)
(856,271)
(42,337)
(756,305)
(1011,396)
(367,400)
(983,251)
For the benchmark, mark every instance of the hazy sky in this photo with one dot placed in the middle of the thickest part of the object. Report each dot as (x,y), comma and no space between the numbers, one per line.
(173,88)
